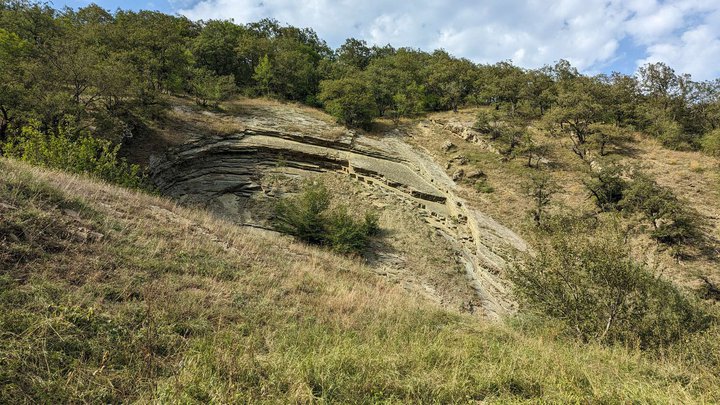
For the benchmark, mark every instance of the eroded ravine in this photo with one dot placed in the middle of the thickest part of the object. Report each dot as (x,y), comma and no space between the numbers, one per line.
(225,172)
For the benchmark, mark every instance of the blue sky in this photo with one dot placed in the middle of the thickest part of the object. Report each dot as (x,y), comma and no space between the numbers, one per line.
(595,35)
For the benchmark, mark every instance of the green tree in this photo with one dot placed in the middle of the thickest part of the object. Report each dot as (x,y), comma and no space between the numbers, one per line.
(541,188)
(208,88)
(12,90)
(214,48)
(264,75)
(576,109)
(674,223)
(349,100)
(607,187)
(354,52)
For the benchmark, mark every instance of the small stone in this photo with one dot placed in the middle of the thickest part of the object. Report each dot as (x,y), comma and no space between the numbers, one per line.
(476,174)
(458,175)
(448,146)
(461,160)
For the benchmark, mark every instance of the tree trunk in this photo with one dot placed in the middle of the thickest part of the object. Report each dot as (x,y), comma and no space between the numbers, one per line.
(4,124)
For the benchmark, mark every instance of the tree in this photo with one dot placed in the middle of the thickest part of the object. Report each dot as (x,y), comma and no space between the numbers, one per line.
(349,100)
(576,109)
(214,48)
(264,75)
(208,88)
(539,89)
(605,135)
(607,186)
(502,83)
(354,52)
(449,81)
(12,51)
(541,189)
(674,223)
(408,102)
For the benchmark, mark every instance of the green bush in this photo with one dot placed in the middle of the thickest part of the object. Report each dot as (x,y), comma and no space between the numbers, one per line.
(74,153)
(606,187)
(583,274)
(488,122)
(674,223)
(302,216)
(711,142)
(306,216)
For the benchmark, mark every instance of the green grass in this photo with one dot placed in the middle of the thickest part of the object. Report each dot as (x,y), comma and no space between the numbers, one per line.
(171,305)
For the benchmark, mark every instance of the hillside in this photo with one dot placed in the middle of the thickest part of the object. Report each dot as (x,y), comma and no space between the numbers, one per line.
(113,295)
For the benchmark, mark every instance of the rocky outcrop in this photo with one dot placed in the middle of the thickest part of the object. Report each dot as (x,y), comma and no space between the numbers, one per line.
(223,172)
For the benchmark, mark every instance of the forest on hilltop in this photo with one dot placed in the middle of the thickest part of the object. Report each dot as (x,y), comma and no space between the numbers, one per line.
(93,71)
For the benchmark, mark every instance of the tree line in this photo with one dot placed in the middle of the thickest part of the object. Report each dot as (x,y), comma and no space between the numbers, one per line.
(105,72)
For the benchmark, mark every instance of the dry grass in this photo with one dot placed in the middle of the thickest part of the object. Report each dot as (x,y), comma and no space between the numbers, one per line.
(692,176)
(173,305)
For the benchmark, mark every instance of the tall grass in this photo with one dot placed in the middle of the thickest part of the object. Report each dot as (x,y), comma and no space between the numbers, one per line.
(171,305)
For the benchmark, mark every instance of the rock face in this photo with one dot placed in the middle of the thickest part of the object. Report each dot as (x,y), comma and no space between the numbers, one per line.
(225,172)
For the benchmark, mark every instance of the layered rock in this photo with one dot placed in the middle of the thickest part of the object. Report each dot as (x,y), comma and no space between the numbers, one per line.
(225,172)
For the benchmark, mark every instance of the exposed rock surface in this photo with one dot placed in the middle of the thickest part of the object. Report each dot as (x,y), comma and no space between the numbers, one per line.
(225,172)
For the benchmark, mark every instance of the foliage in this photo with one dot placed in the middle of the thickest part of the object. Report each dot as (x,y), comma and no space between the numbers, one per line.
(604,136)
(674,223)
(308,218)
(79,153)
(489,122)
(541,188)
(585,276)
(264,75)
(225,316)
(711,142)
(607,187)
(349,100)
(208,88)
(94,64)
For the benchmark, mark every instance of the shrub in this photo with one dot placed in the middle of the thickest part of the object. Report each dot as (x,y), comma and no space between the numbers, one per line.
(585,276)
(540,188)
(306,216)
(346,235)
(81,153)
(302,216)
(607,186)
(674,223)
(488,122)
(711,142)
(671,134)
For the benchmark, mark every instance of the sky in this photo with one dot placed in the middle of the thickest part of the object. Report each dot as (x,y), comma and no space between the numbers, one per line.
(596,36)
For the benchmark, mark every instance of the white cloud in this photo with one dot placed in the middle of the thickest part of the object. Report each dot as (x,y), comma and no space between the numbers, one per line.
(589,33)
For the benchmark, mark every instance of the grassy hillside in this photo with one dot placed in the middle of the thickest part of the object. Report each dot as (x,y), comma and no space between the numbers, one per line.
(691,175)
(108,295)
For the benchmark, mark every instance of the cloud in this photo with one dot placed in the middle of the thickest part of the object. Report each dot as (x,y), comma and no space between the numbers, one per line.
(589,33)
